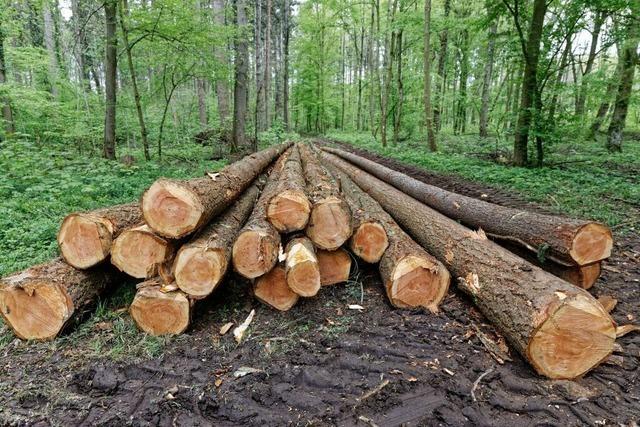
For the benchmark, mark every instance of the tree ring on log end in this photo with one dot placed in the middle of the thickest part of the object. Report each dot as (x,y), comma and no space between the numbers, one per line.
(37,311)
(418,282)
(85,240)
(369,241)
(198,270)
(330,223)
(171,209)
(138,253)
(289,211)
(592,242)
(573,339)
(254,253)
(160,313)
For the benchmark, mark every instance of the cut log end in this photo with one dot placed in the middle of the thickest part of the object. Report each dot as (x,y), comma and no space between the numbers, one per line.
(584,277)
(255,253)
(198,270)
(138,252)
(172,210)
(303,271)
(36,312)
(289,211)
(369,242)
(334,266)
(85,240)
(418,282)
(593,242)
(272,289)
(573,339)
(160,313)
(330,223)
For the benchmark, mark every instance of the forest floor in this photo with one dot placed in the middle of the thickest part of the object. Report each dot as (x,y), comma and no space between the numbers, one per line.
(320,363)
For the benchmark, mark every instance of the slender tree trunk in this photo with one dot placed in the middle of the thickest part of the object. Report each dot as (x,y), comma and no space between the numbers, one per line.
(595,34)
(267,68)
(259,113)
(603,109)
(389,47)
(7,114)
(397,122)
(442,60)
(360,66)
(241,70)
(461,114)
(50,45)
(428,114)
(553,105)
(486,81)
(110,65)
(277,66)
(285,74)
(81,38)
(342,83)
(220,54)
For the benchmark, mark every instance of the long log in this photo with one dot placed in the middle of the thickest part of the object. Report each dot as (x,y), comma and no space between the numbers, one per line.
(175,209)
(201,264)
(39,302)
(159,309)
(302,269)
(85,238)
(330,220)
(565,241)
(559,328)
(289,208)
(272,289)
(139,252)
(334,266)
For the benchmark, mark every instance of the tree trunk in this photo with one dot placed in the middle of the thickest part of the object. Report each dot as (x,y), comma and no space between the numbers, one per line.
(50,44)
(428,114)
(272,289)
(201,264)
(486,81)
(442,61)
(85,239)
(389,53)
(110,65)
(561,330)
(159,309)
(39,302)
(80,34)
(595,34)
(220,54)
(553,105)
(397,122)
(267,68)
(566,241)
(240,88)
(201,92)
(175,209)
(285,88)
(7,114)
(334,266)
(140,253)
(302,269)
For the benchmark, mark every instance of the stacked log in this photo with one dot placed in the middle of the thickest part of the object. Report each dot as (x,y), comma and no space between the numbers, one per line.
(334,266)
(160,309)
(302,269)
(140,253)
(272,289)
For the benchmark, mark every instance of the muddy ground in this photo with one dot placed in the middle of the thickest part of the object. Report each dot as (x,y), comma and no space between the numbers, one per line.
(321,363)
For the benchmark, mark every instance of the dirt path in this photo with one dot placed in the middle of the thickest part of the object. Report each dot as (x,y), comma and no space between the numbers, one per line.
(324,364)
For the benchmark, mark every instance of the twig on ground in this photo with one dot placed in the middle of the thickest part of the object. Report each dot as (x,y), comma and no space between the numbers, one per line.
(476,383)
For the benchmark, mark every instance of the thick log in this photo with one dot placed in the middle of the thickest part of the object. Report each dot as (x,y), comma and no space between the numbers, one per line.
(563,240)
(330,220)
(175,209)
(201,264)
(335,266)
(160,310)
(289,208)
(39,302)
(302,269)
(85,238)
(559,328)
(272,289)
(139,252)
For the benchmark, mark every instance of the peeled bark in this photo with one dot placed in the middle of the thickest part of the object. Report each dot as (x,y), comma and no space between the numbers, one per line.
(201,264)
(160,310)
(85,239)
(289,208)
(140,253)
(559,328)
(272,289)
(565,241)
(334,266)
(302,269)
(330,221)
(39,302)
(175,209)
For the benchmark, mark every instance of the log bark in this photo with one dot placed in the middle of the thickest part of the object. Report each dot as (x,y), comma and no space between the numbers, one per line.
(39,302)
(201,264)
(289,208)
(302,269)
(334,266)
(330,220)
(563,240)
(139,252)
(272,289)
(560,329)
(158,309)
(175,209)
(85,238)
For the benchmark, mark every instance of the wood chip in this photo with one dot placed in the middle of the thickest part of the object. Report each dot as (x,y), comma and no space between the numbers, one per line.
(238,333)
(225,328)
(625,329)
(246,370)
(495,349)
(608,302)
(355,307)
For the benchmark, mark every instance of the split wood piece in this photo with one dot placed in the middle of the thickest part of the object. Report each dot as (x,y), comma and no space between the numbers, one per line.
(160,310)
(559,328)
(335,266)
(565,241)
(255,251)
(330,220)
(39,302)
(139,252)
(175,209)
(302,269)
(85,238)
(272,289)
(201,264)
(289,208)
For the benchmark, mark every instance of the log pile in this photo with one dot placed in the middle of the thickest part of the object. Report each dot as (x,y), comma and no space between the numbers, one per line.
(292,219)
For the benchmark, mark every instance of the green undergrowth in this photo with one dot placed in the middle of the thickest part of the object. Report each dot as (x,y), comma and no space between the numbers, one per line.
(582,179)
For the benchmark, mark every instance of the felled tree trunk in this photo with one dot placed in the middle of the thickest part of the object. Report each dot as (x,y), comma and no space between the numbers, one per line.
(158,309)
(302,269)
(139,252)
(289,208)
(201,264)
(335,266)
(37,303)
(272,289)
(85,238)
(565,241)
(330,221)
(175,209)
(559,328)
